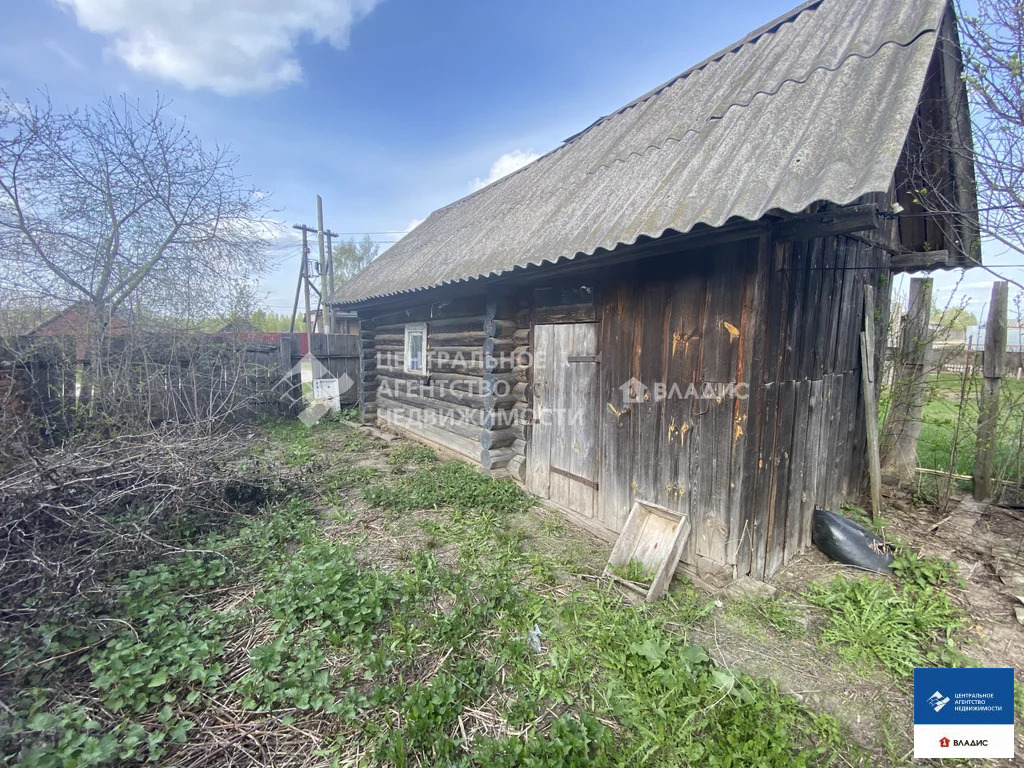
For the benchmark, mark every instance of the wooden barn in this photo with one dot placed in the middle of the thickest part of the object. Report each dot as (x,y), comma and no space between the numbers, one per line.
(668,306)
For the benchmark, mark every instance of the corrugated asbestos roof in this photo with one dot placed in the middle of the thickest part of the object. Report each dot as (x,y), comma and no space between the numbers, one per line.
(814,106)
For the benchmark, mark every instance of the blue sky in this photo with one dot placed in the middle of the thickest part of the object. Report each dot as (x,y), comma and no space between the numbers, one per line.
(387,109)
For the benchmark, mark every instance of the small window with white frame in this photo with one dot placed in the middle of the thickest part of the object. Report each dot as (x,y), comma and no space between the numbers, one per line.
(416,348)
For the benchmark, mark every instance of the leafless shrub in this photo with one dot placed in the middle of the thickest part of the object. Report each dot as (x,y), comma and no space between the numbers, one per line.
(51,388)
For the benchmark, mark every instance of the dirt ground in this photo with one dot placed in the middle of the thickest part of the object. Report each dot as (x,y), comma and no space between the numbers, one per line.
(985,542)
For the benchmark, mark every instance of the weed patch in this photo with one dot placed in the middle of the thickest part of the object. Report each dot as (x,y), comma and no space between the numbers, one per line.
(675,705)
(923,572)
(450,484)
(634,571)
(411,453)
(322,587)
(875,621)
(771,612)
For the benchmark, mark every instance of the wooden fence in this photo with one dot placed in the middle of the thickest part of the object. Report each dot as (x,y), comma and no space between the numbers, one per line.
(164,377)
(951,359)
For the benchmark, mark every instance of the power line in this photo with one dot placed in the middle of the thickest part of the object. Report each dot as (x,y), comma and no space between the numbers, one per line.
(926,214)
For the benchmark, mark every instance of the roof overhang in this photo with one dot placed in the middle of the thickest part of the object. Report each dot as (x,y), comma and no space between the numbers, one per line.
(780,227)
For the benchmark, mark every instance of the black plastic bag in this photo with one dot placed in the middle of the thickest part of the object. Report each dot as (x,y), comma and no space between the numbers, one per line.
(847,542)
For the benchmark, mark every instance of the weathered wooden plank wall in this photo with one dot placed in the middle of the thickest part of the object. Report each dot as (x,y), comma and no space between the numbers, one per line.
(339,354)
(782,318)
(811,437)
(670,326)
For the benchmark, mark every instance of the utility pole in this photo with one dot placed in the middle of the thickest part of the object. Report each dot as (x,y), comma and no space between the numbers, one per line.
(324,293)
(307,281)
(330,278)
(298,292)
(304,281)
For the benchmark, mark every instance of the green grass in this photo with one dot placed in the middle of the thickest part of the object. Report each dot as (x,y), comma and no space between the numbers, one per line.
(874,621)
(940,416)
(411,453)
(634,571)
(276,627)
(896,623)
(773,613)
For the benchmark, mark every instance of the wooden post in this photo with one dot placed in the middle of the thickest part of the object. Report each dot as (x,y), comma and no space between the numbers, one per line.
(910,389)
(993,364)
(298,292)
(330,281)
(305,283)
(324,325)
(867,371)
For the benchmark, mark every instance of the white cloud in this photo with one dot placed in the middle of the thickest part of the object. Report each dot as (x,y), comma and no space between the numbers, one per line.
(228,46)
(504,165)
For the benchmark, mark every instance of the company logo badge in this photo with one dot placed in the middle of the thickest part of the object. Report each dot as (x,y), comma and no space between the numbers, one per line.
(963,713)
(938,701)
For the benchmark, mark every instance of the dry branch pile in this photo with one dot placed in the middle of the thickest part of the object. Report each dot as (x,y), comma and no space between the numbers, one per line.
(74,517)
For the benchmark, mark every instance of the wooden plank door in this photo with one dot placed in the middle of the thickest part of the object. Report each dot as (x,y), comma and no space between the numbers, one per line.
(563,458)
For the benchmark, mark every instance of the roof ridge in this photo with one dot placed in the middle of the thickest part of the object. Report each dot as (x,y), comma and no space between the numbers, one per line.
(719,116)
(757,34)
(863,60)
(764,29)
(782,84)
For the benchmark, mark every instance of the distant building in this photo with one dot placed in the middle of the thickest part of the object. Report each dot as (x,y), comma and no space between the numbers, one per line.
(948,336)
(1014,337)
(77,322)
(76,319)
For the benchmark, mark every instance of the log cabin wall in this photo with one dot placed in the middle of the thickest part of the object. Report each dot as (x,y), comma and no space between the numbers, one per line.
(465,403)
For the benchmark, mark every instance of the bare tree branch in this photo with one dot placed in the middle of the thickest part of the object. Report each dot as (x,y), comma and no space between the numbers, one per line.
(118,203)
